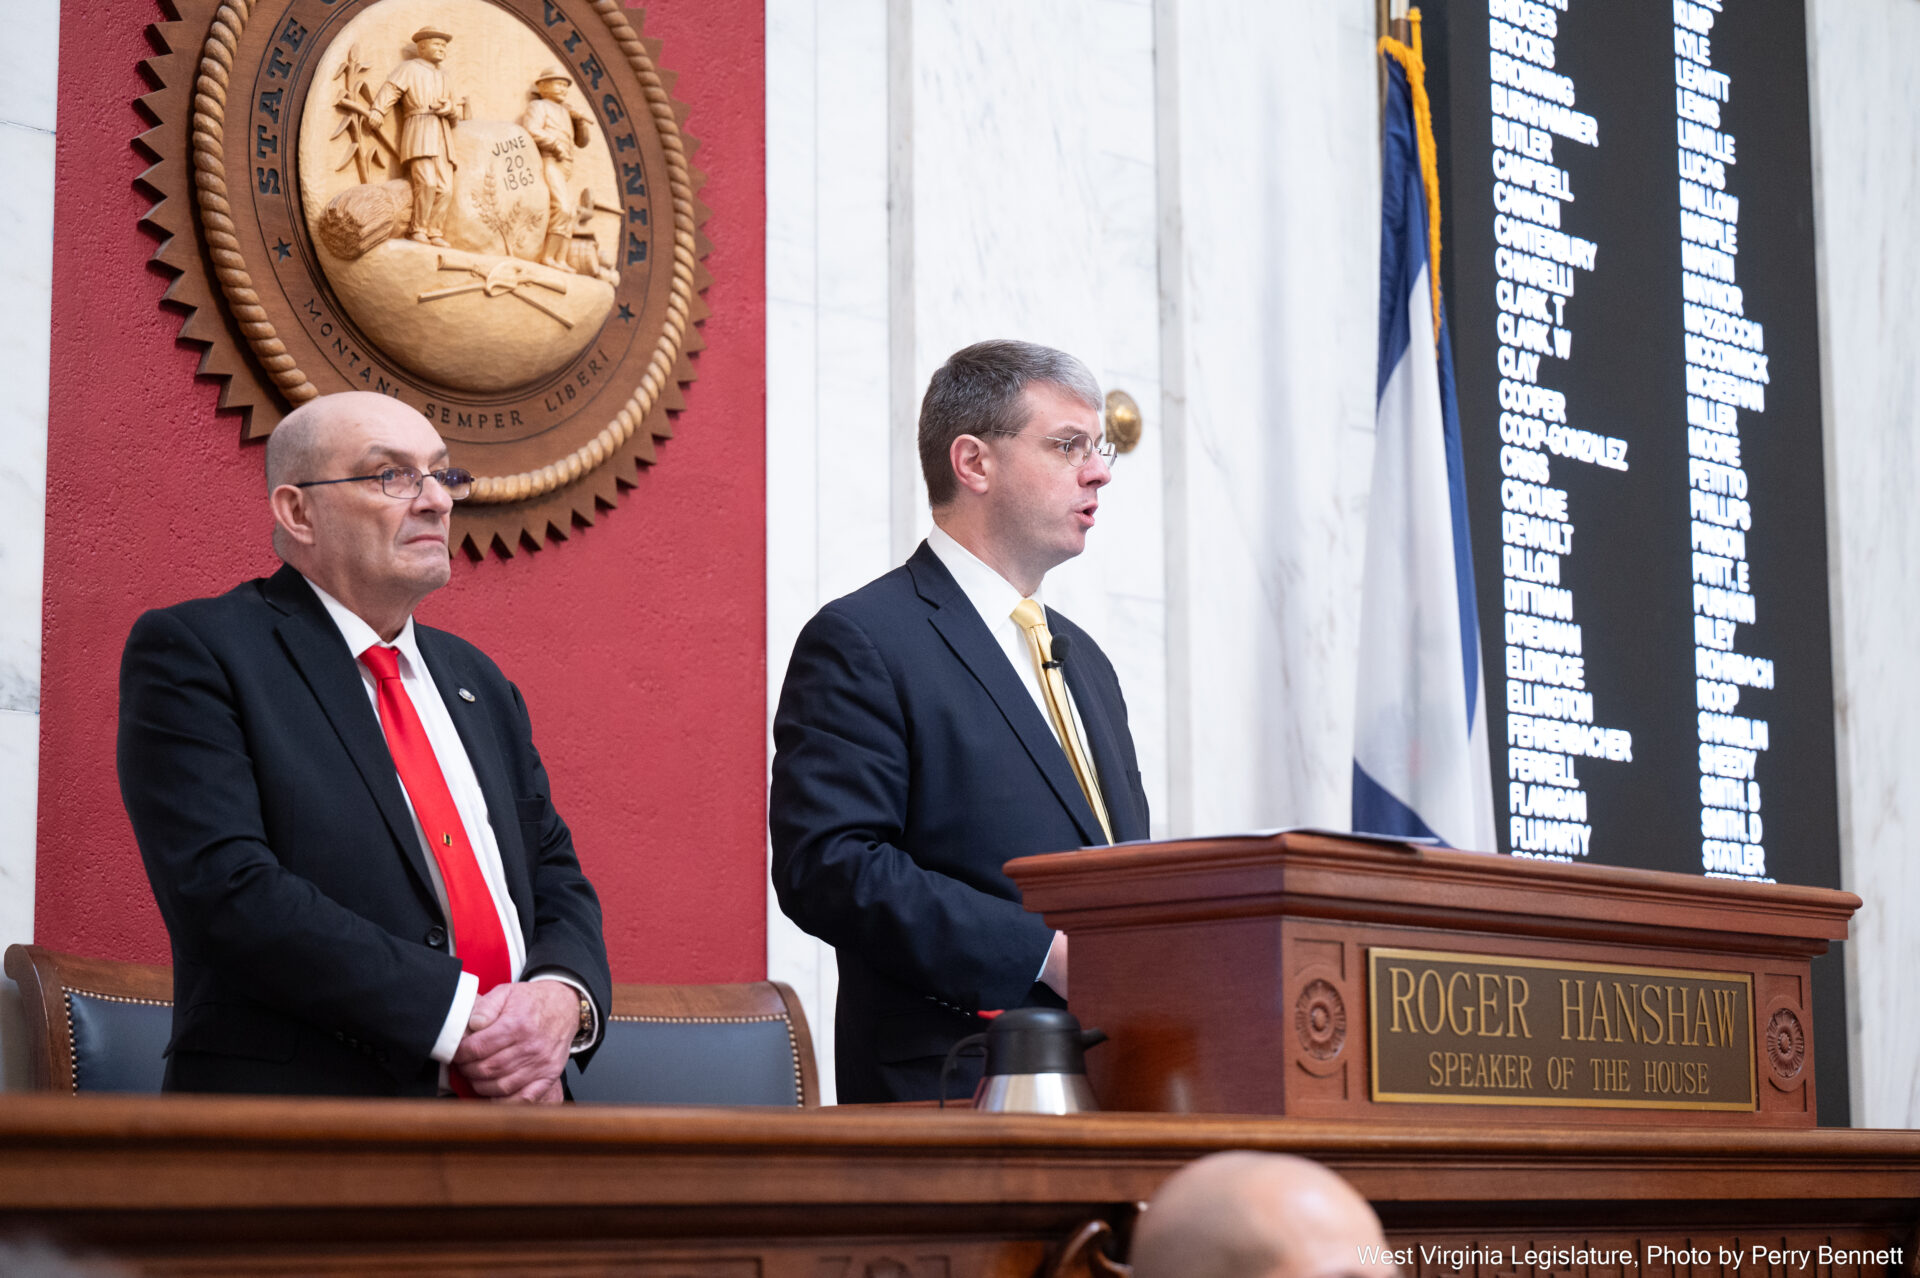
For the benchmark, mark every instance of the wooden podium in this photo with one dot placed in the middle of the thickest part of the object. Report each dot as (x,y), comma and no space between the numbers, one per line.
(1324,977)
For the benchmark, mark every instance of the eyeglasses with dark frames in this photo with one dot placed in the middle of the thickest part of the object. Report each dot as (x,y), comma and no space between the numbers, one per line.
(1076,450)
(404,482)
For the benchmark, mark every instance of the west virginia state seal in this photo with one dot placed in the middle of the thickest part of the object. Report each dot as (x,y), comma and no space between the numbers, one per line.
(483,208)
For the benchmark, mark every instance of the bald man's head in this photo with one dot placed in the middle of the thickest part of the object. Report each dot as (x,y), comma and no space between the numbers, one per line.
(310,442)
(367,542)
(1245,1215)
(292,446)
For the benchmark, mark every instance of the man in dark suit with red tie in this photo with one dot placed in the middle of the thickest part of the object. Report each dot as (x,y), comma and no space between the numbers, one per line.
(940,722)
(345,822)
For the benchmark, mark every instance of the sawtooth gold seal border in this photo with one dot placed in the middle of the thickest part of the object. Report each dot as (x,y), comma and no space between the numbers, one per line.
(667,368)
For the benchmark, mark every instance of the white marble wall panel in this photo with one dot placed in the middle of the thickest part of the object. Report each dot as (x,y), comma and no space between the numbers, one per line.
(29,62)
(28,59)
(19,793)
(26,266)
(827,363)
(1274,292)
(1866,117)
(1033,204)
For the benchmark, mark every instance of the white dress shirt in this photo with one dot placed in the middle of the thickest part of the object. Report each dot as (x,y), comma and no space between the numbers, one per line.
(464,786)
(994,598)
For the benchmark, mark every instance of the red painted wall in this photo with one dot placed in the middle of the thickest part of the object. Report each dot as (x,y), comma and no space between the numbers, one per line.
(639,643)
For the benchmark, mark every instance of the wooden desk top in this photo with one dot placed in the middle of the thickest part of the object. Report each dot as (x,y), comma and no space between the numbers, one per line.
(193,1186)
(139,1153)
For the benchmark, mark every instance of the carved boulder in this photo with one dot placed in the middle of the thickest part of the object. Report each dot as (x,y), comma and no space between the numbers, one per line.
(499,193)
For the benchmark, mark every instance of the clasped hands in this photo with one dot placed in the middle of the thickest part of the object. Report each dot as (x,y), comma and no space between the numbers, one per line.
(517,1041)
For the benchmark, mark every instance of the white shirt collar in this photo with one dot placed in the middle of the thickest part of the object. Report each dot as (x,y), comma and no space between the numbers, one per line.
(992,595)
(360,636)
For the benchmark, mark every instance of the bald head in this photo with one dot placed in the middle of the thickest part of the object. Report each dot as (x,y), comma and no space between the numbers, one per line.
(307,440)
(378,552)
(1245,1215)
(293,450)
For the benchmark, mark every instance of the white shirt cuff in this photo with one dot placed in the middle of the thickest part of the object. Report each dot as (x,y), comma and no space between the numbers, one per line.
(1040,977)
(455,1027)
(593,1032)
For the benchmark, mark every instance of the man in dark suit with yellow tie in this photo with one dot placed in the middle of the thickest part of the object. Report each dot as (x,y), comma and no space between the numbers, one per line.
(939,722)
(346,825)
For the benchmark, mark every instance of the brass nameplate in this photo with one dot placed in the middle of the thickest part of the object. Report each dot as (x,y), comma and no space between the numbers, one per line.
(1476,1029)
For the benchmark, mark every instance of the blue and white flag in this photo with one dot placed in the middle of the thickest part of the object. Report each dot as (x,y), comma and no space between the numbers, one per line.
(1420,737)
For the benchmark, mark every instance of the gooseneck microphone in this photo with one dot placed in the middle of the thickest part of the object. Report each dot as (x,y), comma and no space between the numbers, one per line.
(1060,646)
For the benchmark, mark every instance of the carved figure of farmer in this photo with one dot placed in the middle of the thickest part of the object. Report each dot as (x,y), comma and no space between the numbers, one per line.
(419,86)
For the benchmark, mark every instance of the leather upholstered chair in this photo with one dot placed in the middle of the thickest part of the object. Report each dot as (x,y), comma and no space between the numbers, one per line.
(702,1045)
(93,1025)
(97,1025)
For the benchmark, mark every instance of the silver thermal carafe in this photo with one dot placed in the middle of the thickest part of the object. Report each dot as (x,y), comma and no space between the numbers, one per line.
(1036,1063)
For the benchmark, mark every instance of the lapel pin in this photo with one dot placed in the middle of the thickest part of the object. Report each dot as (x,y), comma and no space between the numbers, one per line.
(465,695)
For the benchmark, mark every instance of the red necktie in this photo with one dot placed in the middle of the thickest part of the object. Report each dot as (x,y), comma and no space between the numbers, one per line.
(478,938)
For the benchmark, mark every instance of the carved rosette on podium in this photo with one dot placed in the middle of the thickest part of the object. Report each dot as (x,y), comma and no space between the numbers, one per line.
(483,209)
(1325,977)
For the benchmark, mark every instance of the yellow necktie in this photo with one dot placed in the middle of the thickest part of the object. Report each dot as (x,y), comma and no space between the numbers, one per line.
(1033,619)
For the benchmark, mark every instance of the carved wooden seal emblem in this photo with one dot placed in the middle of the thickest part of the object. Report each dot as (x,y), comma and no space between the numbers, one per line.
(1320,1020)
(483,208)
(1786,1043)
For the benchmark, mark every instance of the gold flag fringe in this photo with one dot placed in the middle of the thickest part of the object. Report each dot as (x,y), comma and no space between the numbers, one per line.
(1412,59)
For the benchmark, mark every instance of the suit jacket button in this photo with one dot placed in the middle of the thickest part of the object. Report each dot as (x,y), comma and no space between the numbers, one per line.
(437,937)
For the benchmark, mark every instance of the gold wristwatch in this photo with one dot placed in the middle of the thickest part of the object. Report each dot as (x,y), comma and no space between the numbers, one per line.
(584,1034)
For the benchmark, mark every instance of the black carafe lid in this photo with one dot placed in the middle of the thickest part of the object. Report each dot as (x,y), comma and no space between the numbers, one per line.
(1038,1040)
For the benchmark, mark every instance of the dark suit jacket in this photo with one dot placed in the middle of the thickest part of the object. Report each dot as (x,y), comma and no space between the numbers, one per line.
(910,764)
(309,953)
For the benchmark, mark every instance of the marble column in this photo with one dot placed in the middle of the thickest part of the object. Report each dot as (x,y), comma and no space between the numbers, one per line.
(1032,194)
(28,79)
(1866,154)
(828,433)
(1269,189)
